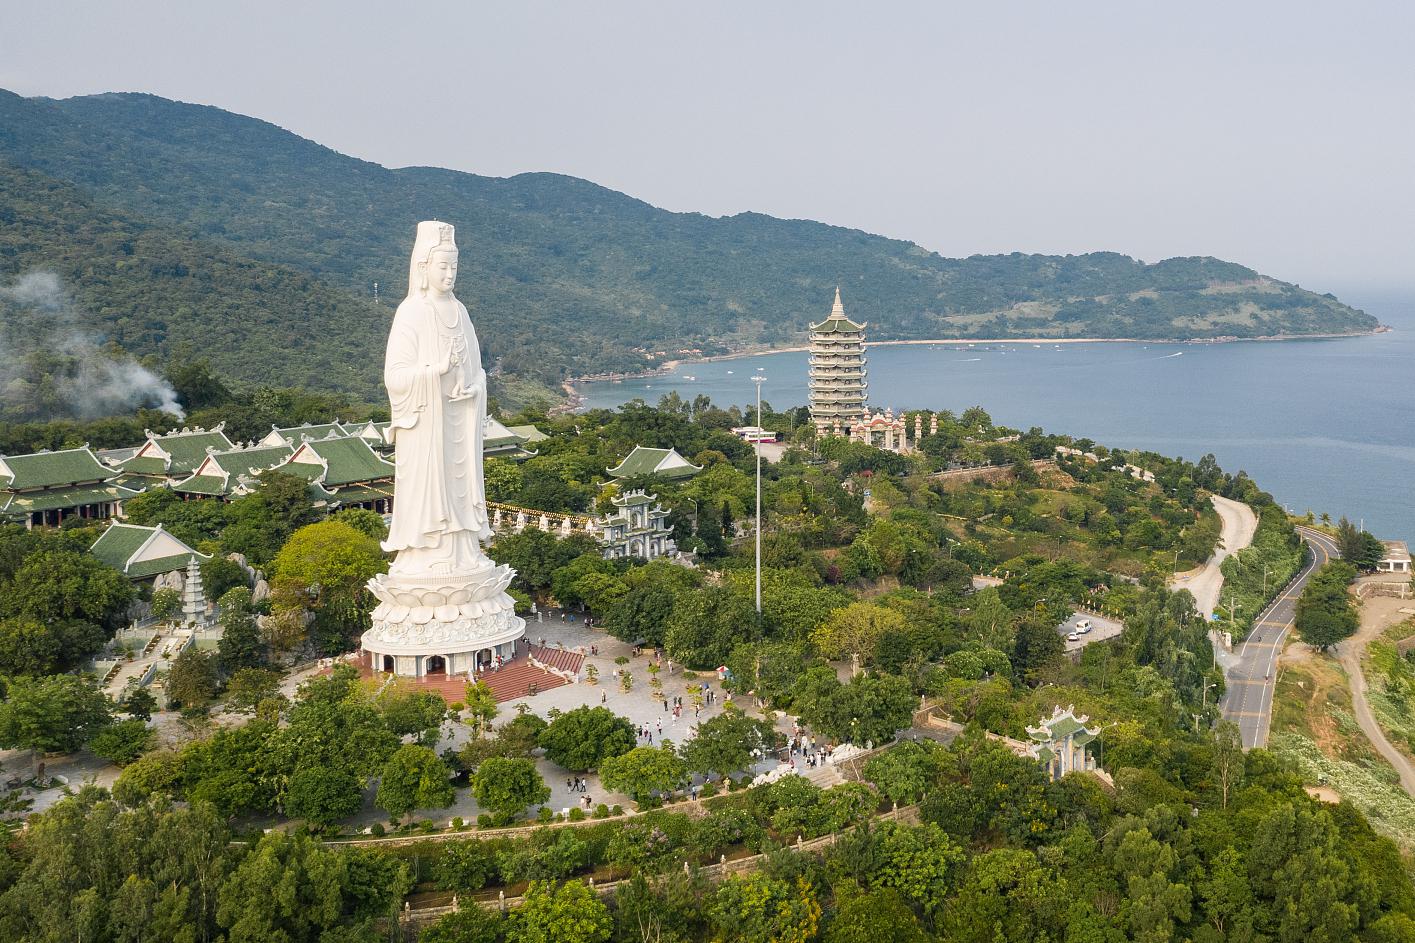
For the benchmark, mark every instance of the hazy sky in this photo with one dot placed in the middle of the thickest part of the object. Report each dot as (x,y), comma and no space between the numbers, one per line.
(1278,134)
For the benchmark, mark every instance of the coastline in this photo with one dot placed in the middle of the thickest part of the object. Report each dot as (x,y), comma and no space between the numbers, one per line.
(575,399)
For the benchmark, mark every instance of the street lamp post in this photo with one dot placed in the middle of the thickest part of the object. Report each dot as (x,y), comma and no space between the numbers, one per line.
(758,379)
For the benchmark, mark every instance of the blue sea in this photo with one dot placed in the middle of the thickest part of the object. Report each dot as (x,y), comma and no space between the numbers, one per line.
(1326,425)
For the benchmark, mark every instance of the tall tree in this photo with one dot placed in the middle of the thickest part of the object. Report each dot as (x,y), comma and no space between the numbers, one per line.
(583,738)
(1325,612)
(854,630)
(505,786)
(569,913)
(644,772)
(57,714)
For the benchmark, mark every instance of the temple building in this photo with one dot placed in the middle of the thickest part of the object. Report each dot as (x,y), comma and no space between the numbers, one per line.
(43,489)
(231,473)
(170,457)
(501,442)
(374,433)
(837,372)
(529,433)
(883,431)
(1059,742)
(292,436)
(143,553)
(658,463)
(343,472)
(637,527)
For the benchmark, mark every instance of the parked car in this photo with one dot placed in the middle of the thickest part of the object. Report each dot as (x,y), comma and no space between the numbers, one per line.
(1073,637)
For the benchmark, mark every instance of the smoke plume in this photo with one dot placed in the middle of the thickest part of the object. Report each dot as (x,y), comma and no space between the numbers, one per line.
(52,365)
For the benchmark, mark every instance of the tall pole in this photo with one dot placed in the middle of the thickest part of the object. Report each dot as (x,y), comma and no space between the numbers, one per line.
(758,379)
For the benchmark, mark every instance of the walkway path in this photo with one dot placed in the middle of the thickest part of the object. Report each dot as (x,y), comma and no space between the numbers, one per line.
(1378,613)
(1239,526)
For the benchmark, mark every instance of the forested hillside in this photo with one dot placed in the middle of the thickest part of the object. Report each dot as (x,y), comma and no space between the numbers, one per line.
(563,277)
(152,290)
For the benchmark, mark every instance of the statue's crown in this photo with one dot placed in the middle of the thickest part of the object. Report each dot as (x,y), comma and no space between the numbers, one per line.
(434,234)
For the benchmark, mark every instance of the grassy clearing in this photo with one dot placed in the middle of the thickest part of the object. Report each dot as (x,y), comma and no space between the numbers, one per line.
(1314,729)
(1390,687)
(1369,786)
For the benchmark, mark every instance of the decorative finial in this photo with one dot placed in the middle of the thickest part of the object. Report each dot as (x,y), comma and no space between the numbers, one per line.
(837,310)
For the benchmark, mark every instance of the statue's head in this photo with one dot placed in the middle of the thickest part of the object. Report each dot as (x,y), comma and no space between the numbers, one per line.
(434,262)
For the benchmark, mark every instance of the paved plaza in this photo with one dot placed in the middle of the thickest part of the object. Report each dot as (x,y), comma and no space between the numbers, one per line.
(640,706)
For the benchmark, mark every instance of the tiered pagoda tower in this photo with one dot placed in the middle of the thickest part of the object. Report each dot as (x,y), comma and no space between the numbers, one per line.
(837,372)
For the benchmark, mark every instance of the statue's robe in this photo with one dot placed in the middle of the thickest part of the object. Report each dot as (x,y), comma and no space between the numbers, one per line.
(437,439)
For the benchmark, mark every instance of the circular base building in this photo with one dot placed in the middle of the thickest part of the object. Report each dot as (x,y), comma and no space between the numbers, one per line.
(454,624)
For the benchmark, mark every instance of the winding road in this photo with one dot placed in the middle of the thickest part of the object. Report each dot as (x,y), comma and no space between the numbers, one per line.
(1377,614)
(1239,526)
(1252,675)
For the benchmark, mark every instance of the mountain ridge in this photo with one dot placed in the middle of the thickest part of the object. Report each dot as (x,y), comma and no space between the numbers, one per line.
(567,277)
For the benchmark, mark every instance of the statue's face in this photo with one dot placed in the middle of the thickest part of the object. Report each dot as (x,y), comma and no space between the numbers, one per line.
(441,270)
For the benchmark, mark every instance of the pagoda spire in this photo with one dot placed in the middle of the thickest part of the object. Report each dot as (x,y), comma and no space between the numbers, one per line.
(837,310)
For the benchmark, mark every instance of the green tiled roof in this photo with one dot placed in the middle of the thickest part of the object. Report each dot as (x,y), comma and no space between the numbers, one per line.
(306,470)
(633,499)
(117,545)
(119,542)
(52,499)
(358,494)
(1065,728)
(529,433)
(47,469)
(349,461)
(1059,727)
(140,571)
(136,483)
(241,461)
(201,484)
(836,325)
(496,436)
(149,465)
(189,448)
(646,461)
(313,431)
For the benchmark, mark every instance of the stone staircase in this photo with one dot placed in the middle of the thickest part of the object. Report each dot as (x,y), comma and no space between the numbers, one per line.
(557,661)
(824,776)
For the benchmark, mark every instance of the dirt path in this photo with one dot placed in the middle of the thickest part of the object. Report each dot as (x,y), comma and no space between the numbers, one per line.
(1378,613)
(1239,526)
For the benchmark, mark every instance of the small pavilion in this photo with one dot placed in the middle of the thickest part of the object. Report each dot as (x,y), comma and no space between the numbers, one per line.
(1059,742)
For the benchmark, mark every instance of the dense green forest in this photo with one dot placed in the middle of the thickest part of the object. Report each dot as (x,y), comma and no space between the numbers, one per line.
(153,291)
(563,277)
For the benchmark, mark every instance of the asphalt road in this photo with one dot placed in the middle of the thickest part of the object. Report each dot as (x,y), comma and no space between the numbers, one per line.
(1239,526)
(1248,702)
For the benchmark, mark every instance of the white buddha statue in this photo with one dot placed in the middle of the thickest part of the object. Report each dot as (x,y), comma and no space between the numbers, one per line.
(443,604)
(437,390)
